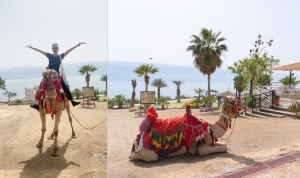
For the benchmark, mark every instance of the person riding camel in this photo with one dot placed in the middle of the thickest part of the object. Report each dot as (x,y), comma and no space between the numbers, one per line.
(54,63)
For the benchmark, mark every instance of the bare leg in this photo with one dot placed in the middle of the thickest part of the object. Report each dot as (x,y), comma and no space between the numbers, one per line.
(43,119)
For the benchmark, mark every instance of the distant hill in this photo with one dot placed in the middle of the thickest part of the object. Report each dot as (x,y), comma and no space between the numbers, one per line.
(35,72)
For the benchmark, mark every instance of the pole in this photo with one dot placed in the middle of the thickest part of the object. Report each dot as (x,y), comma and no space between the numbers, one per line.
(290,78)
(270,95)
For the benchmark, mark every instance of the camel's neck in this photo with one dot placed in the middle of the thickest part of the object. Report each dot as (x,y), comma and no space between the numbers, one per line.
(50,92)
(217,130)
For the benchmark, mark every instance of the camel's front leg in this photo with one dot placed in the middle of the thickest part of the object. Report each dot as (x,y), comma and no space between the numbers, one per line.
(43,119)
(70,118)
(220,144)
(212,149)
(57,120)
(143,154)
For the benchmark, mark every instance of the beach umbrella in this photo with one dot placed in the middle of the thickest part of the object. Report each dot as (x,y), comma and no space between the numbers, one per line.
(289,67)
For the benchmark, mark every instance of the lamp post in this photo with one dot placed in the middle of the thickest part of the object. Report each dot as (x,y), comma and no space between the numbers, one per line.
(270,103)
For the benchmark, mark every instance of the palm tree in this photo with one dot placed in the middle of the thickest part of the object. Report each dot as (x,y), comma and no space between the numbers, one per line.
(240,84)
(103,78)
(2,84)
(287,80)
(85,70)
(77,92)
(120,100)
(178,83)
(206,50)
(159,83)
(163,100)
(133,83)
(145,70)
(199,91)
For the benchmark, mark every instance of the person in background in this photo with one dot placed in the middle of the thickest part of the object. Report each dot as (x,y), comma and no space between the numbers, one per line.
(54,63)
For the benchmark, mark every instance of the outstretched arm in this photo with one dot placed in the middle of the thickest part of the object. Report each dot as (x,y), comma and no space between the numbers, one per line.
(29,46)
(67,52)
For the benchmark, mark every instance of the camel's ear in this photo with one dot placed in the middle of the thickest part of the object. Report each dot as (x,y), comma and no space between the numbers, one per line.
(225,97)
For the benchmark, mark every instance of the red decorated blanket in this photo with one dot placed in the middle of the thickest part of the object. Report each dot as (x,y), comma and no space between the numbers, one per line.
(165,136)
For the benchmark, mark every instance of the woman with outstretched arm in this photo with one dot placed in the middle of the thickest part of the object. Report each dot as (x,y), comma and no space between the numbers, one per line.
(54,63)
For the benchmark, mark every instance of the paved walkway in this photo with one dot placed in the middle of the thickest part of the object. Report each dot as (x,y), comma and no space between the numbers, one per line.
(263,166)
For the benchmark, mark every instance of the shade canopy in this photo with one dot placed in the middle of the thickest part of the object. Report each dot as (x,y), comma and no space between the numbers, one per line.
(225,93)
(294,66)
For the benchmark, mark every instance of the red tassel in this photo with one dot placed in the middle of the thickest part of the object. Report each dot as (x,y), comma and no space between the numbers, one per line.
(52,115)
(225,108)
(214,140)
(230,125)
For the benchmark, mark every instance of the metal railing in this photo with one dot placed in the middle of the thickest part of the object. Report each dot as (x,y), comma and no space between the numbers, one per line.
(261,97)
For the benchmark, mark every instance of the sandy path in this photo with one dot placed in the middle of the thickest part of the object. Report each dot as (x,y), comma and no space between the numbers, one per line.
(253,140)
(20,130)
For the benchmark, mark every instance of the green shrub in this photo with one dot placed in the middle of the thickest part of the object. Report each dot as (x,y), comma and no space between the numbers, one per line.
(249,101)
(18,101)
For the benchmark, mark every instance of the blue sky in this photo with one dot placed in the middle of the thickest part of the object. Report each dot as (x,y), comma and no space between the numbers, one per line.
(41,23)
(138,30)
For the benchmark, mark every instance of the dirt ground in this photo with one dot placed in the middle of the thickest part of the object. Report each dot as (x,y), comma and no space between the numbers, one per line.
(253,140)
(84,156)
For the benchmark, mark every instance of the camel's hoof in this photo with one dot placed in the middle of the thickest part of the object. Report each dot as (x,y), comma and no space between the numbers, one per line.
(74,136)
(50,138)
(39,145)
(56,153)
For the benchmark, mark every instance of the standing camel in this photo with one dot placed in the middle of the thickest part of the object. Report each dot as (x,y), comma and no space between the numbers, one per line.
(51,102)
(181,135)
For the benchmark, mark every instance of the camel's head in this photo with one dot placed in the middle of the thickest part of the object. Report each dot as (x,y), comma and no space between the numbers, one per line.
(231,106)
(51,74)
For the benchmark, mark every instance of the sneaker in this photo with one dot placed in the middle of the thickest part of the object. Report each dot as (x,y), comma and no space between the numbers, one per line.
(74,103)
(35,106)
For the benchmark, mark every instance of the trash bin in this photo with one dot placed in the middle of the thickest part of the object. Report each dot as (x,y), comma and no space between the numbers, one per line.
(276,100)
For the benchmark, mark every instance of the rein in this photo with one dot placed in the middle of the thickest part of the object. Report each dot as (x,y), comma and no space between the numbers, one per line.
(237,107)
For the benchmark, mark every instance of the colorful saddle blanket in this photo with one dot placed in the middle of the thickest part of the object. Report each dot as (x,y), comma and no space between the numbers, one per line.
(167,136)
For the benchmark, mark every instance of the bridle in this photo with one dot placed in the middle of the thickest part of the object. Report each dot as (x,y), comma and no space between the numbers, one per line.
(234,109)
(49,75)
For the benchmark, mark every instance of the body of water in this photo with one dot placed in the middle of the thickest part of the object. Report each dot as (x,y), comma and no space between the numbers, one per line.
(220,81)
(18,85)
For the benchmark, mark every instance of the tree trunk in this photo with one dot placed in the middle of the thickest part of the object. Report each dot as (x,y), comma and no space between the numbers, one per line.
(251,85)
(87,79)
(132,98)
(158,93)
(208,90)
(162,106)
(146,89)
(198,100)
(178,94)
